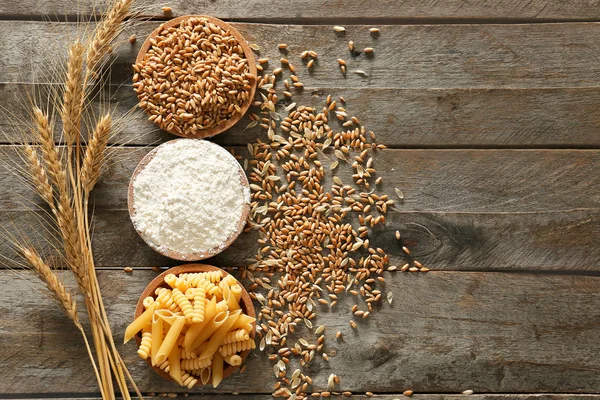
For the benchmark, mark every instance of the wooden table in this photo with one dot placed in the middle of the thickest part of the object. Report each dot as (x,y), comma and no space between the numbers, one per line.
(491,111)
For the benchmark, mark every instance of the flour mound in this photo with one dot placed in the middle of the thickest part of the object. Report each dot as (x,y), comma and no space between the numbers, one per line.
(189,198)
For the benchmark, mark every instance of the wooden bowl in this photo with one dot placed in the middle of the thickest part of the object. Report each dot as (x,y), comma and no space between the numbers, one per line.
(204,133)
(174,254)
(159,281)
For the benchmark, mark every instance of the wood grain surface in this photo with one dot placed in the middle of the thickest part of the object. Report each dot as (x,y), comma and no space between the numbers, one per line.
(405,56)
(317,11)
(491,112)
(463,210)
(444,332)
(447,118)
(564,241)
(431,396)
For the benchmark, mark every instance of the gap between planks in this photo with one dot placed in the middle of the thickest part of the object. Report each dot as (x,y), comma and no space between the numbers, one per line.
(385,396)
(317,21)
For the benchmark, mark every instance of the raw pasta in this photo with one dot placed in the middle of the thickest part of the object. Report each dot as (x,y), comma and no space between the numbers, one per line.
(165,299)
(188,381)
(175,364)
(195,363)
(236,347)
(146,345)
(194,326)
(236,336)
(199,304)
(233,359)
(157,336)
(184,304)
(217,370)
(139,323)
(205,375)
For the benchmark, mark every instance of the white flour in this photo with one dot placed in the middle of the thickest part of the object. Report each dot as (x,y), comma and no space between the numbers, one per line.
(189,197)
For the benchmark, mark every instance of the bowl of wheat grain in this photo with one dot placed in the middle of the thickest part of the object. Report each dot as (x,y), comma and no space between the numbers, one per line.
(187,273)
(195,76)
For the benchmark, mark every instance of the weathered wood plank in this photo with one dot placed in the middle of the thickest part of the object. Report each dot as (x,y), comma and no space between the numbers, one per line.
(432,396)
(315,11)
(463,210)
(487,181)
(549,241)
(444,332)
(400,117)
(410,57)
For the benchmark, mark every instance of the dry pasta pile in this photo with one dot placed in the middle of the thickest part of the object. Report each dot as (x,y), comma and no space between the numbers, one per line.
(191,330)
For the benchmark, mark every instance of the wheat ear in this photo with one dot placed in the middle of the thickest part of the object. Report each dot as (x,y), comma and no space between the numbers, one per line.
(39,176)
(72,106)
(45,134)
(95,153)
(105,33)
(59,293)
(65,215)
(49,277)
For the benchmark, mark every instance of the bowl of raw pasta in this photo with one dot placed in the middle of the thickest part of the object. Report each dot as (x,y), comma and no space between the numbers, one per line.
(194,324)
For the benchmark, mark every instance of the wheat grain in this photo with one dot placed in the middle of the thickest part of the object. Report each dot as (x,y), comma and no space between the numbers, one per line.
(199,89)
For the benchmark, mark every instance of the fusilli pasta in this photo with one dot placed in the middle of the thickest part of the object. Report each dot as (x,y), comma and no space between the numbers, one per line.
(236,347)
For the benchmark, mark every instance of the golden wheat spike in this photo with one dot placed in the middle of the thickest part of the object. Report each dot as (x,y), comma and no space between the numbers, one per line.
(95,153)
(49,277)
(65,213)
(105,33)
(45,134)
(39,176)
(72,107)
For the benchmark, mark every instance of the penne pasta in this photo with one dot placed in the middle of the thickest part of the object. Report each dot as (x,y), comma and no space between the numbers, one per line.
(205,375)
(175,364)
(167,315)
(229,298)
(157,336)
(210,328)
(217,370)
(170,339)
(213,344)
(242,322)
(139,323)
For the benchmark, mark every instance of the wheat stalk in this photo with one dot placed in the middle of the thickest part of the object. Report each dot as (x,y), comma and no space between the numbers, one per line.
(64,180)
(58,291)
(105,34)
(94,154)
(72,106)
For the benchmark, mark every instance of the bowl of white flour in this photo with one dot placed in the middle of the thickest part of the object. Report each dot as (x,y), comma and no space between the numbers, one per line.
(189,199)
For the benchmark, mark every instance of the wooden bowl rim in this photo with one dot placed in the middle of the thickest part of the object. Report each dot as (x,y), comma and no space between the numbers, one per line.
(248,53)
(193,256)
(159,281)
